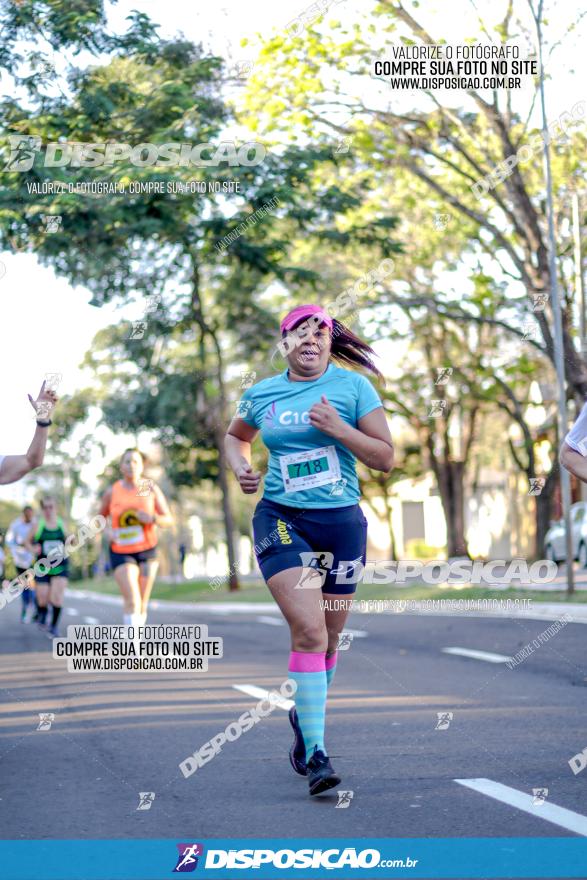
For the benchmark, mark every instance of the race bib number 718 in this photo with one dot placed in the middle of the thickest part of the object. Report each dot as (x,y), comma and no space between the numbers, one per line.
(307,470)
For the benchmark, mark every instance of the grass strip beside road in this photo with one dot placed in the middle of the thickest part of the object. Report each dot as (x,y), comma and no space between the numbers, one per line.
(256,591)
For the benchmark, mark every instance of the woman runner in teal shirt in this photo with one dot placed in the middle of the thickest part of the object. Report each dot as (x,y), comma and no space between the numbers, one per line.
(316,419)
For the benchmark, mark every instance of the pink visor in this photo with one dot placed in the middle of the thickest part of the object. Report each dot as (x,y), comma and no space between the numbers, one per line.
(300,313)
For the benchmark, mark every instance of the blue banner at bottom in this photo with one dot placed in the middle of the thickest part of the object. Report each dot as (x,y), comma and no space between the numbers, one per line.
(369,858)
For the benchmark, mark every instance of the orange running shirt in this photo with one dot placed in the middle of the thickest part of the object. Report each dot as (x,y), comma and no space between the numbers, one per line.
(130,535)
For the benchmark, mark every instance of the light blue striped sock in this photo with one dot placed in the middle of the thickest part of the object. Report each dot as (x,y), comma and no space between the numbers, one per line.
(310,697)
(331,667)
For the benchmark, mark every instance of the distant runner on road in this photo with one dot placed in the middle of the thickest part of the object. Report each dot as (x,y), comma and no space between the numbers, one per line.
(46,540)
(136,508)
(16,536)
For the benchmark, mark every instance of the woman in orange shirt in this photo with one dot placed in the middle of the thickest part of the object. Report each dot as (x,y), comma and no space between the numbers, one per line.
(136,508)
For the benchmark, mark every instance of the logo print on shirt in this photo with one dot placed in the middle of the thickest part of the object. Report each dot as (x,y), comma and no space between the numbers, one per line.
(289,418)
(270,416)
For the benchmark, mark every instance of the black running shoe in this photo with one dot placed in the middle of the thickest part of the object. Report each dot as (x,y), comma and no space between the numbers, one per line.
(321,776)
(297,753)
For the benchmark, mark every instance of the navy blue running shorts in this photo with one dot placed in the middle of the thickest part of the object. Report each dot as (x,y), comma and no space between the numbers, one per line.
(332,541)
(117,559)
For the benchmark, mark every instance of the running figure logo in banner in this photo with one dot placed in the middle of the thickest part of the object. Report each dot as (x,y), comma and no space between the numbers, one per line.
(188,857)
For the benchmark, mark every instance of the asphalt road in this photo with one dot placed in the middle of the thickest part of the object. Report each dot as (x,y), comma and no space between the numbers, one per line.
(117,734)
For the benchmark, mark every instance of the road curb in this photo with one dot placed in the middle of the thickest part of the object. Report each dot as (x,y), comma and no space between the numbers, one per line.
(540,611)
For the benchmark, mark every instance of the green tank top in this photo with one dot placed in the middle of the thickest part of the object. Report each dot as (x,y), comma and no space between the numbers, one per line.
(49,539)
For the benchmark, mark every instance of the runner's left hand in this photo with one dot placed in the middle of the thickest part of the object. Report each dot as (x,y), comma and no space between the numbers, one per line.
(325,418)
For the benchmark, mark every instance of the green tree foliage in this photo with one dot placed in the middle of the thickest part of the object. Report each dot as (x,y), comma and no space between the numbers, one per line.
(208,294)
(427,154)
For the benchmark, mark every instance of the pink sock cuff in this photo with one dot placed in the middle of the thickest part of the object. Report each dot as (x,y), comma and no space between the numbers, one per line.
(331,661)
(299,661)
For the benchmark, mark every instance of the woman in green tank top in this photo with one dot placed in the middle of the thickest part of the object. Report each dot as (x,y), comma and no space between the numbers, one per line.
(46,540)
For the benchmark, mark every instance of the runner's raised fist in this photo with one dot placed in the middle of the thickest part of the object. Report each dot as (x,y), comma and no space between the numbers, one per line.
(325,418)
(45,402)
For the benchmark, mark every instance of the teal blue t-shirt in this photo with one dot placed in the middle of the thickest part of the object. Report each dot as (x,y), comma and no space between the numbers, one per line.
(308,468)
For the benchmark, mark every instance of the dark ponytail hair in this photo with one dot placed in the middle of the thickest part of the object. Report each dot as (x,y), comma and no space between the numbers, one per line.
(348,348)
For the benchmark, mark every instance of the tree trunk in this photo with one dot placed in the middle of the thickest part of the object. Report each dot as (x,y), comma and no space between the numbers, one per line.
(452,494)
(233,565)
(388,519)
(450,481)
(207,330)
(84,562)
(233,582)
(543,509)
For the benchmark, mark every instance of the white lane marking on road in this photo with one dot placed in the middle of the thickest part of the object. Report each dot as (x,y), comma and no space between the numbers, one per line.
(71,612)
(549,812)
(262,694)
(478,655)
(91,620)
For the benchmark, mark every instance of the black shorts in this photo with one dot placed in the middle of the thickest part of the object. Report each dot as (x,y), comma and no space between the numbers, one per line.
(117,559)
(332,541)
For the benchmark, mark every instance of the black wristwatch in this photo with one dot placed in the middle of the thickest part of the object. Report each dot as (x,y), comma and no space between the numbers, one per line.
(44,424)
